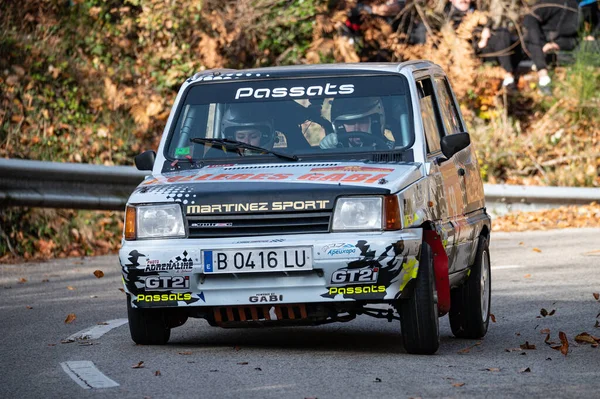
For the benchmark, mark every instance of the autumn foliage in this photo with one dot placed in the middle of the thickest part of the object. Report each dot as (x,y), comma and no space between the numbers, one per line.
(92,81)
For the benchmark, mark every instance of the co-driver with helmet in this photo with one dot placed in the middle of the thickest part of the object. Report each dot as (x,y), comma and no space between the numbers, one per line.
(248,123)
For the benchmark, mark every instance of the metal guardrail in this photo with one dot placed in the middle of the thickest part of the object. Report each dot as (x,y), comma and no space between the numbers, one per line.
(85,186)
(66,185)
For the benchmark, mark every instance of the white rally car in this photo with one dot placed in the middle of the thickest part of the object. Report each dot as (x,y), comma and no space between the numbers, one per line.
(307,195)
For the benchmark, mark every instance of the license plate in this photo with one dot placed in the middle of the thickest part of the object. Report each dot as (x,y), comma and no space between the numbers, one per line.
(262,260)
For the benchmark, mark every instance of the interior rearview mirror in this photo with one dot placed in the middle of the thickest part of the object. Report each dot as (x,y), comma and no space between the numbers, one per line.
(453,143)
(145,160)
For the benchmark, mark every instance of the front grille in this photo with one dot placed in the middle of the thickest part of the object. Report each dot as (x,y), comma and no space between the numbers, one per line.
(258,224)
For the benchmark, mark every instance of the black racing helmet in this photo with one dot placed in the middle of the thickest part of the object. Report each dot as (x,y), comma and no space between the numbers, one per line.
(248,116)
(347,110)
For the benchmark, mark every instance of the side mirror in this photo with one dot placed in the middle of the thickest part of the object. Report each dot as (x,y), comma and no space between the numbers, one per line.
(453,143)
(145,160)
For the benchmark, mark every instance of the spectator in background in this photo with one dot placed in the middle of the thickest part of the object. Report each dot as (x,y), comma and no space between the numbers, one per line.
(590,18)
(498,41)
(410,23)
(552,25)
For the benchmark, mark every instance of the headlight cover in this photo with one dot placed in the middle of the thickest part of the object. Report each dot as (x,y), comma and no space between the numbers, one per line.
(357,214)
(160,221)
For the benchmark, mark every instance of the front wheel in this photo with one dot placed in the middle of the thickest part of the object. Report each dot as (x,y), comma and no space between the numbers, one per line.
(470,303)
(148,326)
(419,314)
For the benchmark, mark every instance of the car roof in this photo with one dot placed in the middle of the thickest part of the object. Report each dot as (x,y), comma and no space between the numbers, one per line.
(313,70)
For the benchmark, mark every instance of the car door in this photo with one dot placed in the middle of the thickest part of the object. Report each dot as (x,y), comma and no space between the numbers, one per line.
(460,176)
(445,187)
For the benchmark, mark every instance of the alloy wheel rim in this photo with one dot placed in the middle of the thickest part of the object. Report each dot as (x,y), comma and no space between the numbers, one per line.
(485,285)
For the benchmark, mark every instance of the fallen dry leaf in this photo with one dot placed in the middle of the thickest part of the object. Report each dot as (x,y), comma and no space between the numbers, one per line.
(521,243)
(140,365)
(22,280)
(536,250)
(458,384)
(102,323)
(377,379)
(98,273)
(493,369)
(547,340)
(545,331)
(527,346)
(242,363)
(468,349)
(552,312)
(513,350)
(257,368)
(525,370)
(122,290)
(185,353)
(527,276)
(596,295)
(157,373)
(70,288)
(493,317)
(564,348)
(585,338)
(543,312)
(70,318)
(28,307)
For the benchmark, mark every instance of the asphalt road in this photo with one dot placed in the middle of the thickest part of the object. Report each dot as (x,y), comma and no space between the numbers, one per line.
(554,270)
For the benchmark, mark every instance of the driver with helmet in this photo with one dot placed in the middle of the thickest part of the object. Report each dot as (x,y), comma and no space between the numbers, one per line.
(353,119)
(249,124)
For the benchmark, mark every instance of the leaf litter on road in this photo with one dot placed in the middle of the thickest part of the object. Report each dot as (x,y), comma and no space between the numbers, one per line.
(527,346)
(98,273)
(564,343)
(70,318)
(468,348)
(139,365)
(586,338)
(525,370)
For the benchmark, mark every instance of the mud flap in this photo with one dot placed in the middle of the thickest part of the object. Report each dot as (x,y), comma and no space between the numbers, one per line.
(440,267)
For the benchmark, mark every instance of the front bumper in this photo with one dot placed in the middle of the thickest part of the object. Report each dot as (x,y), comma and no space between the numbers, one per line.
(170,273)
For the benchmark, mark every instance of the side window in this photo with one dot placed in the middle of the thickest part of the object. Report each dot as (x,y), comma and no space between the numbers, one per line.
(433,132)
(450,116)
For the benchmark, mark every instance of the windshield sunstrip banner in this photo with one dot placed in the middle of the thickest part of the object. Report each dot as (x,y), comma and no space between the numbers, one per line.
(289,89)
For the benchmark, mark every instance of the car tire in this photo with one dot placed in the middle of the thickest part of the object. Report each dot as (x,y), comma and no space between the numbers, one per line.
(148,326)
(419,313)
(470,303)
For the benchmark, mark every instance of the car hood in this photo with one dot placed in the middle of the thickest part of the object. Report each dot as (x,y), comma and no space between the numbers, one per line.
(266,187)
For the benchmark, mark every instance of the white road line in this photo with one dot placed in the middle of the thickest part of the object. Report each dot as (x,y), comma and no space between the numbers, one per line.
(97,331)
(86,375)
(503,267)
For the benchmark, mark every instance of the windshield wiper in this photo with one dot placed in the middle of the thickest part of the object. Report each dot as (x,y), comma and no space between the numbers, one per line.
(227,144)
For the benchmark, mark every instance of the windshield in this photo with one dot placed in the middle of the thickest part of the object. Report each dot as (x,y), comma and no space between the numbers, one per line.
(296,117)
